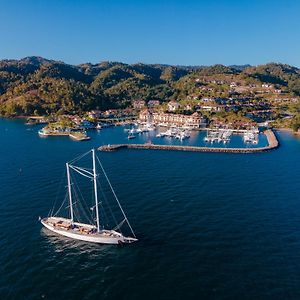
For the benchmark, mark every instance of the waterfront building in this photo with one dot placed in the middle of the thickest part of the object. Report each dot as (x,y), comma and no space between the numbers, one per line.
(196,120)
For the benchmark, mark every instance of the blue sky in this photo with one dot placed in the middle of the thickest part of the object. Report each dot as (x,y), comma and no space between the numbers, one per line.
(172,32)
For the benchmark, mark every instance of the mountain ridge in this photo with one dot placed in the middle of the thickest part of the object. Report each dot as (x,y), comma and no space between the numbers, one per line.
(36,85)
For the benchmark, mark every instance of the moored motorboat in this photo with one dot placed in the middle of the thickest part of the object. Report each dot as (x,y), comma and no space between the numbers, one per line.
(131,136)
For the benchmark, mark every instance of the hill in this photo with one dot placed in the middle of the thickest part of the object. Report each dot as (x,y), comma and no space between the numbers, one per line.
(35,85)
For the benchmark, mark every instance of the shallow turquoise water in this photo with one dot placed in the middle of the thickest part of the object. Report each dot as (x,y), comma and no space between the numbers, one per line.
(211,225)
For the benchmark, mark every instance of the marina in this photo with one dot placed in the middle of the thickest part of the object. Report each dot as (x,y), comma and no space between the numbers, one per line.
(218,136)
(146,128)
(175,138)
(147,133)
(178,133)
(272,144)
(215,137)
(223,135)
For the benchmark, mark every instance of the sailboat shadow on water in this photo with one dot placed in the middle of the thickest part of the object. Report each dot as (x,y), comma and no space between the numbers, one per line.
(92,229)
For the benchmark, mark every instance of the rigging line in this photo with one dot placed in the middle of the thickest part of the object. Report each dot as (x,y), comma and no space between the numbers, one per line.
(82,169)
(103,216)
(83,203)
(81,173)
(61,205)
(101,213)
(107,204)
(77,169)
(115,196)
(75,202)
(75,216)
(119,225)
(84,211)
(106,219)
(85,206)
(79,157)
(80,200)
(57,193)
(76,207)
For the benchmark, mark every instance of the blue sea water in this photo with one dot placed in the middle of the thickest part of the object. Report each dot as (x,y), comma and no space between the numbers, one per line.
(210,225)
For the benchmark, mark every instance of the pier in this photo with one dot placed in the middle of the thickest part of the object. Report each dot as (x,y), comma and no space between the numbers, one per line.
(271,137)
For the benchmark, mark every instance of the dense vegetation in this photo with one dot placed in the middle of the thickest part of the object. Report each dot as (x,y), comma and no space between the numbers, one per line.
(35,85)
(38,86)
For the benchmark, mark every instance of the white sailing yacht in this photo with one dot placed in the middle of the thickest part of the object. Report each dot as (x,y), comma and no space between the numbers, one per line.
(95,233)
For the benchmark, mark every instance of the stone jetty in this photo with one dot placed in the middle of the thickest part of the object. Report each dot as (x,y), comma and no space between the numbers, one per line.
(272,144)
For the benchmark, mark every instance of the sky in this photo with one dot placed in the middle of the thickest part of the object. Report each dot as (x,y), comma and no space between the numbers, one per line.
(178,32)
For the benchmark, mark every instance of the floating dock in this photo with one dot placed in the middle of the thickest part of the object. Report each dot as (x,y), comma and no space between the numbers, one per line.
(272,144)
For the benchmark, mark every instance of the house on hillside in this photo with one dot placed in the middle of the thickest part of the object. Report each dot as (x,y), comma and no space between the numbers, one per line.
(266,85)
(173,106)
(138,104)
(153,103)
(95,114)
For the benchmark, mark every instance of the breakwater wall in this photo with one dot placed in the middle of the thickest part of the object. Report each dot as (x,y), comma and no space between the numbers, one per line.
(272,144)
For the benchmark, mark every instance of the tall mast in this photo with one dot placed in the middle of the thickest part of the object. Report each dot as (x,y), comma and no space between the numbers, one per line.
(95,190)
(70,193)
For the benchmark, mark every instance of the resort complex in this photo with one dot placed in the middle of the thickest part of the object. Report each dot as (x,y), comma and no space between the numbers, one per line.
(192,121)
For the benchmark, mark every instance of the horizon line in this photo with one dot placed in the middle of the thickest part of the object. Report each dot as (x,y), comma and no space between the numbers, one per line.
(145,63)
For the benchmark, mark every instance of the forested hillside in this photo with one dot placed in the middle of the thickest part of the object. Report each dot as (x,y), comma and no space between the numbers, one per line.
(35,85)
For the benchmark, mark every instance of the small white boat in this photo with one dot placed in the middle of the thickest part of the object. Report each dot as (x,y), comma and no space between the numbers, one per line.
(169,133)
(131,136)
(183,135)
(250,137)
(132,131)
(139,130)
(42,133)
(149,127)
(94,233)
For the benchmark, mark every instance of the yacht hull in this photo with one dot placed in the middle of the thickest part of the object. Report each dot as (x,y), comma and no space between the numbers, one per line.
(110,237)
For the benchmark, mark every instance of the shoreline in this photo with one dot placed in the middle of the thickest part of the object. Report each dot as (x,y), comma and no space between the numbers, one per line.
(283,129)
